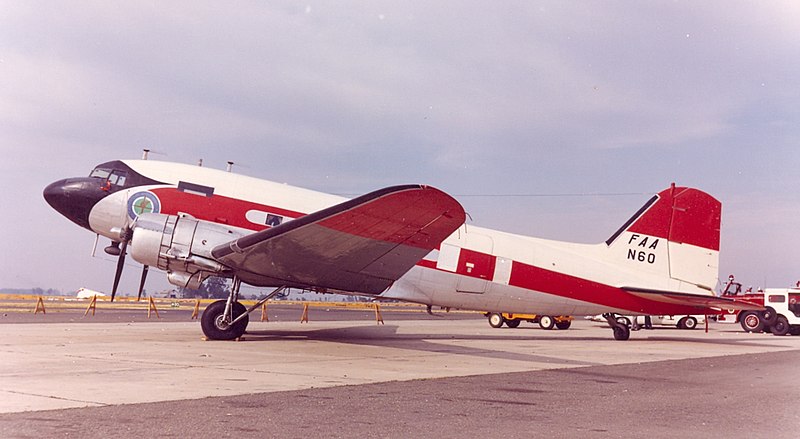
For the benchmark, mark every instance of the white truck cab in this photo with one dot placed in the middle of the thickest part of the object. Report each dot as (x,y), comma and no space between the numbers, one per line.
(783,310)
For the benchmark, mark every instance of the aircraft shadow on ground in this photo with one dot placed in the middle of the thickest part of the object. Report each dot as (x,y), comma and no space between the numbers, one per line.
(388,337)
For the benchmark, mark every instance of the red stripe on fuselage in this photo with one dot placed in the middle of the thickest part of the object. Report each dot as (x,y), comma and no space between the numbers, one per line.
(538,279)
(217,208)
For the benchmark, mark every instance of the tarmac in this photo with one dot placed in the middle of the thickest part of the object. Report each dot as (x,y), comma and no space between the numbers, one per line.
(343,374)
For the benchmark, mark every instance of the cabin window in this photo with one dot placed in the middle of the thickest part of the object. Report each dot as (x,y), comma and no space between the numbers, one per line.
(265,218)
(196,189)
(274,220)
(774,298)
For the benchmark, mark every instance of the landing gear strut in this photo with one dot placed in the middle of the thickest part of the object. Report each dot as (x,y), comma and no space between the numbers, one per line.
(621,330)
(228,319)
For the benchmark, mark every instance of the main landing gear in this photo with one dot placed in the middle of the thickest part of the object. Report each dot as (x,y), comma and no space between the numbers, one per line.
(620,327)
(228,319)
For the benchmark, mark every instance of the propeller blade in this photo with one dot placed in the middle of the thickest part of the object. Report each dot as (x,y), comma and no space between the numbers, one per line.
(120,263)
(141,283)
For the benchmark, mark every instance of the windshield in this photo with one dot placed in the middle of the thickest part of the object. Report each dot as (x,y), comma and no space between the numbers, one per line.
(100,173)
(115,177)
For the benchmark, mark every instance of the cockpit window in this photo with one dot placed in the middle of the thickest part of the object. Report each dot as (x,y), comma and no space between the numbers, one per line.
(113,176)
(100,173)
(117,178)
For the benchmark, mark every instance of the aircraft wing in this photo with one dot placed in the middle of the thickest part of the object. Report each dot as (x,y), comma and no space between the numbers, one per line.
(720,303)
(362,245)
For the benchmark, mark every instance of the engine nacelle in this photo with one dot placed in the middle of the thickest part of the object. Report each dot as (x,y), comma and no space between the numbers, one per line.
(180,245)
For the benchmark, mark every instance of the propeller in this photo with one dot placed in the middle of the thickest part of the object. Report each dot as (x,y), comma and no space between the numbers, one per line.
(141,283)
(120,265)
(123,247)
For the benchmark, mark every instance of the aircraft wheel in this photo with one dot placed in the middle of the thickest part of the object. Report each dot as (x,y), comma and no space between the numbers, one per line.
(546,322)
(781,326)
(622,333)
(794,330)
(513,323)
(496,320)
(751,321)
(212,321)
(564,324)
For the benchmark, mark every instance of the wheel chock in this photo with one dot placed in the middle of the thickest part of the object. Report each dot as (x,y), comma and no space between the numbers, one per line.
(39,306)
(196,311)
(264,316)
(92,306)
(304,317)
(152,307)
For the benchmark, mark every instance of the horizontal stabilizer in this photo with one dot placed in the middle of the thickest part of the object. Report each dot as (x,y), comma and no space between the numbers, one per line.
(721,303)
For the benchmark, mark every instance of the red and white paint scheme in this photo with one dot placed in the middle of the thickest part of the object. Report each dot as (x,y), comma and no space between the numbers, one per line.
(407,242)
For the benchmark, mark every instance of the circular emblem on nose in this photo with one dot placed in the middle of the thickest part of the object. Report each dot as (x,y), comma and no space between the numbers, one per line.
(143,202)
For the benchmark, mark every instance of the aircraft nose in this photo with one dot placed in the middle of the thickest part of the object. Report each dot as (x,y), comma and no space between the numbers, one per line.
(74,198)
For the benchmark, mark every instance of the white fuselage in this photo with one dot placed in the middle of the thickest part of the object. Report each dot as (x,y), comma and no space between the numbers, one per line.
(474,268)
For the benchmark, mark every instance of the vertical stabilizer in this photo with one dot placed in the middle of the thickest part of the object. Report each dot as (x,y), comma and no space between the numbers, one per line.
(676,235)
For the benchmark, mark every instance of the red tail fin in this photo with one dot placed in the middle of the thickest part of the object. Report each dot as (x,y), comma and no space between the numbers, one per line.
(675,235)
(681,215)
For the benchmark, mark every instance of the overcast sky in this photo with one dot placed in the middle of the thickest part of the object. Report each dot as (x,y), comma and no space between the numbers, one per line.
(585,108)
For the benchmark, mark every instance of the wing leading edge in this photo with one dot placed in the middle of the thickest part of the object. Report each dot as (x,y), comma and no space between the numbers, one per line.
(362,245)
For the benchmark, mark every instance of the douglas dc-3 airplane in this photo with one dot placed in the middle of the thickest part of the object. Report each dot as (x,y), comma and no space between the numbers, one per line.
(408,243)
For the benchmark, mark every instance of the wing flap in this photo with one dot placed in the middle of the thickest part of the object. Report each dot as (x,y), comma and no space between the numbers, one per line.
(361,245)
(721,303)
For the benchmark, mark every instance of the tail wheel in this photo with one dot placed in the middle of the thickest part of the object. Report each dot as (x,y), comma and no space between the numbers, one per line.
(781,326)
(622,333)
(213,321)
(751,321)
(496,320)
(546,322)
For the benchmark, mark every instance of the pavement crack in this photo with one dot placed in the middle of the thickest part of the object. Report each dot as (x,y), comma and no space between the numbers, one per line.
(59,398)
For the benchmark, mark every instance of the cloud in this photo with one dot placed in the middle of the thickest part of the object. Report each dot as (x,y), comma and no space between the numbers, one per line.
(518,97)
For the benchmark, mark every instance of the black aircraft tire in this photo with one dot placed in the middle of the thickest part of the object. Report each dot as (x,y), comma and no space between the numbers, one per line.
(211,319)
(513,323)
(622,333)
